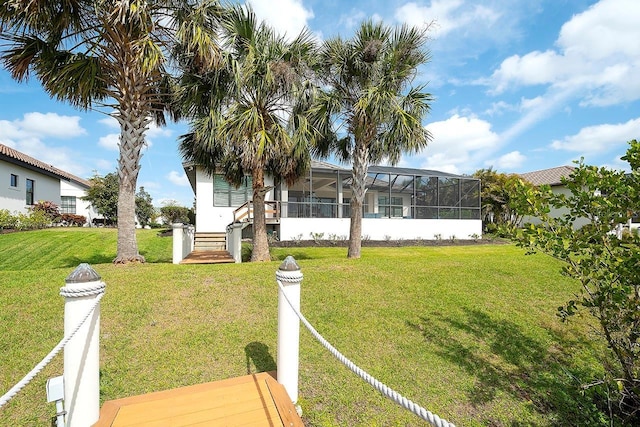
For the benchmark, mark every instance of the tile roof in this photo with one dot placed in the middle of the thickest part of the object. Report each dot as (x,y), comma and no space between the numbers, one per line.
(15,156)
(548,176)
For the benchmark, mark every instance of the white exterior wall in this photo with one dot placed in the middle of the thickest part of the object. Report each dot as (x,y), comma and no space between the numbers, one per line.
(211,218)
(83,207)
(381,228)
(556,213)
(46,188)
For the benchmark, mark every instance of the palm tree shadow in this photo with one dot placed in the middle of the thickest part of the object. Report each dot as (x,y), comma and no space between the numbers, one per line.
(505,360)
(257,354)
(92,259)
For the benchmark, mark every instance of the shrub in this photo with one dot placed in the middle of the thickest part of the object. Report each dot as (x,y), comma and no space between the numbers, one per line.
(71,220)
(49,209)
(7,221)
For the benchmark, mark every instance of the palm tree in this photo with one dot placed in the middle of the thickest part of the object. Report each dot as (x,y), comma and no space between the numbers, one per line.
(111,56)
(248,117)
(370,99)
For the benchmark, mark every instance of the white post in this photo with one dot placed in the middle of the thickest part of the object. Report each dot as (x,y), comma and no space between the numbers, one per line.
(177,242)
(234,241)
(290,276)
(82,352)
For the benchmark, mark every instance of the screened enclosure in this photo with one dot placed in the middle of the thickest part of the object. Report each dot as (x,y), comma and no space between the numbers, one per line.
(391,193)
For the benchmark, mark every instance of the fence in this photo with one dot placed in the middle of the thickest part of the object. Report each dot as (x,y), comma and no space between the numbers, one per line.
(81,377)
(81,385)
(289,278)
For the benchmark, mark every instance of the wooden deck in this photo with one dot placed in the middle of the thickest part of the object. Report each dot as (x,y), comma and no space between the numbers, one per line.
(251,400)
(208,257)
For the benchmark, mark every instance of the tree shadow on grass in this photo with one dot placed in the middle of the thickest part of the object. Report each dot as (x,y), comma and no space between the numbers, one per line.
(297,255)
(101,258)
(505,360)
(257,353)
(93,259)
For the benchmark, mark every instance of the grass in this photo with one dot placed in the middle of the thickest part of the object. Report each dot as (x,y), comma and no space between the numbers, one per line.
(468,332)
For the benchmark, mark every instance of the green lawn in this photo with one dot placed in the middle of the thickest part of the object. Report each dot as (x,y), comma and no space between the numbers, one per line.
(468,332)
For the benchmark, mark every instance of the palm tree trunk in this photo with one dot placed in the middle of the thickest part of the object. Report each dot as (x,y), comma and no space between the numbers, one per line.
(133,126)
(260,250)
(358,188)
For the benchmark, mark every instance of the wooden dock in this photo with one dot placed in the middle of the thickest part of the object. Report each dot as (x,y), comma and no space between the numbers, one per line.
(253,400)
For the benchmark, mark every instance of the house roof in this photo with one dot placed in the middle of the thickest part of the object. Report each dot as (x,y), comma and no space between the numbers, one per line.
(550,176)
(16,157)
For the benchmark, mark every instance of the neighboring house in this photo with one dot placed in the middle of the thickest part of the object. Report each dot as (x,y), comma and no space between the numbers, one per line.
(553,178)
(400,203)
(25,180)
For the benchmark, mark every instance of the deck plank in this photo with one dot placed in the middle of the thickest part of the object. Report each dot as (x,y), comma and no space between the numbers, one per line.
(251,400)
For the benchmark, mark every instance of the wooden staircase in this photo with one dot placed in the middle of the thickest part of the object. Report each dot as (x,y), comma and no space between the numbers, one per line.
(209,248)
(210,242)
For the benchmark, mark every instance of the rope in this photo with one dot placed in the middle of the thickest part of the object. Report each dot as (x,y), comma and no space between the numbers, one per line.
(40,366)
(87,291)
(421,412)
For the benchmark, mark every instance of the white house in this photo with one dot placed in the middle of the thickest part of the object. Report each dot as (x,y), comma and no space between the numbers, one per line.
(400,203)
(25,180)
(553,178)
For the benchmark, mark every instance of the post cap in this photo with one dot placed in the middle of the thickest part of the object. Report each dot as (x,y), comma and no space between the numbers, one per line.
(82,274)
(289,264)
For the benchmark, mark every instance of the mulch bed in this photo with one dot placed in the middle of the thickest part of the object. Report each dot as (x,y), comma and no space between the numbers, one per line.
(389,243)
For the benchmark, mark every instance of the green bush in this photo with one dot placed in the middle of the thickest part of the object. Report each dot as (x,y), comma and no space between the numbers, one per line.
(7,221)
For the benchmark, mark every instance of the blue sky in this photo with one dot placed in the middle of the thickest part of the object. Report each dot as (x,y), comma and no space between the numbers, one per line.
(519,85)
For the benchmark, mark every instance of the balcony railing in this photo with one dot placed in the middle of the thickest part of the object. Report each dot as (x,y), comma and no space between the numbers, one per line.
(244,213)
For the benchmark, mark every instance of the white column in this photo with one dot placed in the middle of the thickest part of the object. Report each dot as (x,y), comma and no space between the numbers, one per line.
(82,352)
(290,276)
(177,242)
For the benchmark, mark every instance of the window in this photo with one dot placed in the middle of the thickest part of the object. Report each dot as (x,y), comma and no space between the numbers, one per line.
(391,207)
(225,194)
(14,180)
(68,205)
(30,191)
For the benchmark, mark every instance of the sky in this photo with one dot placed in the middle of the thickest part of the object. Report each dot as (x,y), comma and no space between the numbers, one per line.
(518,86)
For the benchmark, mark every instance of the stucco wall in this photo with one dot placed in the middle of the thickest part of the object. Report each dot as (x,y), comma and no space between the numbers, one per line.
(211,218)
(83,207)
(14,199)
(381,228)
(556,213)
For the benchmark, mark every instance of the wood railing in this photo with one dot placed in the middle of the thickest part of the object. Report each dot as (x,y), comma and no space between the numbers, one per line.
(244,213)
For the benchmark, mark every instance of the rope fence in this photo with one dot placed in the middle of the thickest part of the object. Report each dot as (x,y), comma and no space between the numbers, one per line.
(65,292)
(388,392)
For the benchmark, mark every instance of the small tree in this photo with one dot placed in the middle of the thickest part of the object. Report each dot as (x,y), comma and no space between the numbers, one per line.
(172,213)
(497,192)
(103,195)
(600,259)
(144,207)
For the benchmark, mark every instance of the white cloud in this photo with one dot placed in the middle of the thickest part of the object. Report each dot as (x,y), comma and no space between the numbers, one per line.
(178,178)
(287,17)
(449,15)
(158,131)
(459,144)
(599,138)
(110,122)
(51,125)
(508,161)
(25,135)
(110,142)
(597,57)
